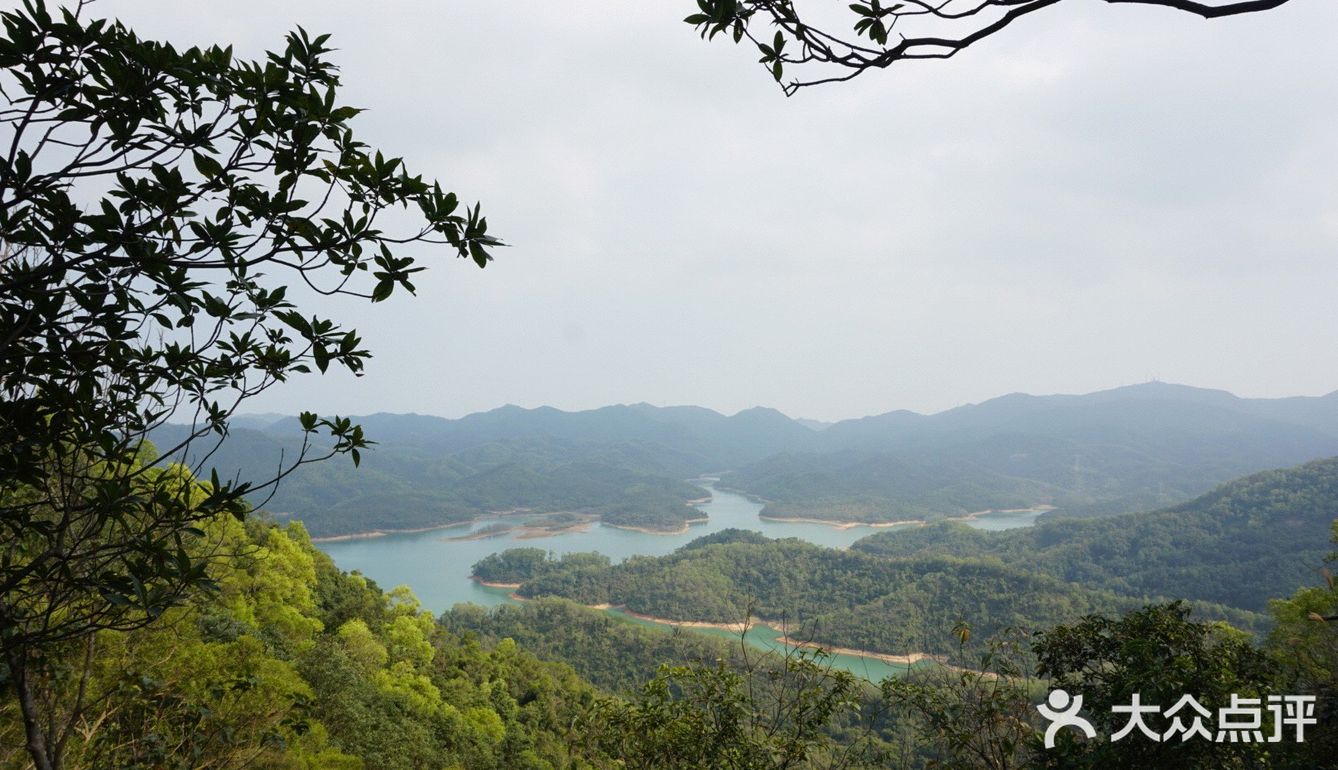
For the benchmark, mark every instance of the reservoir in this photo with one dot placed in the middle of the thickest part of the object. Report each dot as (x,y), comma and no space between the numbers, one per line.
(437,567)
(436,564)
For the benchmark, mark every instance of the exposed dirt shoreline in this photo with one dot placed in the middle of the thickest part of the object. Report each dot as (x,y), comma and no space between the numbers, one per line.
(529,531)
(371,533)
(521,532)
(490,584)
(909,659)
(902,522)
(839,524)
(681,530)
(739,628)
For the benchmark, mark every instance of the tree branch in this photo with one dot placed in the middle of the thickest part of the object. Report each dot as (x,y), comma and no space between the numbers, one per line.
(1209,11)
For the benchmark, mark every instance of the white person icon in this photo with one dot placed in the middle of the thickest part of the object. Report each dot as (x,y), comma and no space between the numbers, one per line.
(1062,711)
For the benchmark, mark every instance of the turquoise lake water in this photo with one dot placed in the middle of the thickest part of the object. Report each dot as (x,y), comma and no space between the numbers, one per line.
(437,567)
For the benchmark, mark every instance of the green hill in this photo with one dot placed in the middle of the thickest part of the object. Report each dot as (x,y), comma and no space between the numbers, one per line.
(1136,448)
(1245,542)
(402,486)
(841,598)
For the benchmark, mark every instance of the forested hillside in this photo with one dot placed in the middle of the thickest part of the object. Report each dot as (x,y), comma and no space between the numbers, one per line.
(840,598)
(1242,544)
(404,485)
(291,663)
(1129,449)
(609,652)
(191,229)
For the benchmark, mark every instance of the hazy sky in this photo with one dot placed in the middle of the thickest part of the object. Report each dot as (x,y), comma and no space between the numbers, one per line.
(1100,195)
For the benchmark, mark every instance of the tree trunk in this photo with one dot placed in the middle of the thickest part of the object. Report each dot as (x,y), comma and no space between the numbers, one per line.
(32,727)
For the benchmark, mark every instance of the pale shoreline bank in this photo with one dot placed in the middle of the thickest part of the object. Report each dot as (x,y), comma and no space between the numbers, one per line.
(490,584)
(682,529)
(524,532)
(843,525)
(909,659)
(740,627)
(371,533)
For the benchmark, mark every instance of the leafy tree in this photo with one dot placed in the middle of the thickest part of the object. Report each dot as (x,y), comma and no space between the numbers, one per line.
(1304,642)
(154,206)
(885,31)
(1162,655)
(977,716)
(217,683)
(767,714)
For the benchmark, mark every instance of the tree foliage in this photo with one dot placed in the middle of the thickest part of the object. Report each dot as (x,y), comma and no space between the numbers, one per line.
(760,715)
(1304,645)
(975,716)
(291,664)
(1161,655)
(156,205)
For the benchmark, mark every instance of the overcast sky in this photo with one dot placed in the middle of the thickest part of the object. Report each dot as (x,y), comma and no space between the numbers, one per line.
(1099,196)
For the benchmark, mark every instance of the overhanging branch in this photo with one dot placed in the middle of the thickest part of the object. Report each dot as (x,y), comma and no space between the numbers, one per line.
(1210,10)
(884,32)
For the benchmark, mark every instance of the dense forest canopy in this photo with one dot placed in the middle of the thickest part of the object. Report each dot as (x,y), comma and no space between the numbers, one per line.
(291,663)
(838,598)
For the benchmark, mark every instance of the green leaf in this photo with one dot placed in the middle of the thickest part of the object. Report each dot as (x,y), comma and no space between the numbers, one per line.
(206,165)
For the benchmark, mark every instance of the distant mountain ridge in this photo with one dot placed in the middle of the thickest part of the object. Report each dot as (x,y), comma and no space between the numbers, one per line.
(743,437)
(1132,448)
(773,431)
(1136,447)
(1318,413)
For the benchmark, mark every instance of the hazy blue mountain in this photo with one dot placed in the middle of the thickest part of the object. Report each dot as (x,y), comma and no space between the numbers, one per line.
(404,485)
(882,430)
(260,421)
(1149,404)
(716,440)
(814,425)
(1132,448)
